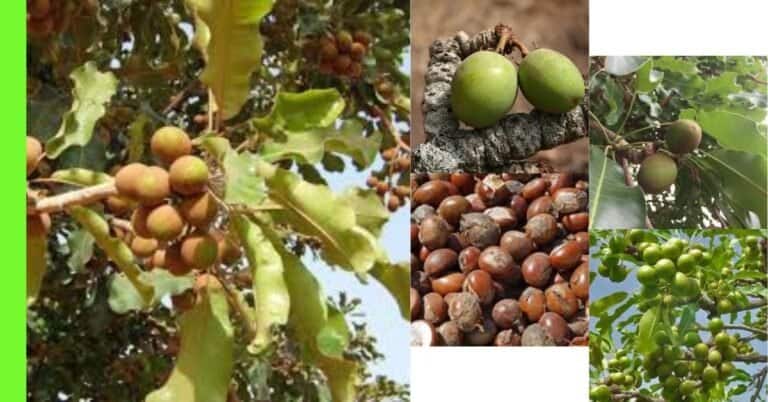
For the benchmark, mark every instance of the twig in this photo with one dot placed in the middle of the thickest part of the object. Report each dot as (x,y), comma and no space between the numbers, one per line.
(746,328)
(121,224)
(377,112)
(237,304)
(178,97)
(760,381)
(629,111)
(751,358)
(82,196)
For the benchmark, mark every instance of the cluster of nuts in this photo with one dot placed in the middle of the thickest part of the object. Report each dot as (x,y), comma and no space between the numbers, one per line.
(499,260)
(171,211)
(396,161)
(340,54)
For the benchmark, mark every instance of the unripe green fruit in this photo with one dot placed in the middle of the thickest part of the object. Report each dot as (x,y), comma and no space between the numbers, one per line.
(691,339)
(646,275)
(636,236)
(618,274)
(681,284)
(600,393)
(550,81)
(700,351)
(616,378)
(652,254)
(665,269)
(729,353)
(188,175)
(715,325)
(696,367)
(170,143)
(657,173)
(629,379)
(671,250)
(687,387)
(695,253)
(714,358)
(724,306)
(604,270)
(726,369)
(153,186)
(686,263)
(664,370)
(681,369)
(683,136)
(709,375)
(661,338)
(722,340)
(483,89)
(706,258)
(165,223)
(752,241)
(672,382)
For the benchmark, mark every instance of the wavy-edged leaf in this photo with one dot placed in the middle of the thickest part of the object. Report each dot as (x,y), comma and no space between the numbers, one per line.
(316,211)
(272,299)
(124,298)
(303,111)
(612,205)
(396,279)
(647,78)
(732,131)
(36,266)
(92,91)
(369,210)
(227,32)
(205,362)
(333,338)
(601,305)
(743,178)
(342,377)
(646,328)
(243,185)
(116,250)
(80,243)
(81,177)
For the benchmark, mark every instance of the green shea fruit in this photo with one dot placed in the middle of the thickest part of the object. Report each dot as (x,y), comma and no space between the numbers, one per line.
(652,254)
(616,378)
(646,275)
(715,357)
(618,274)
(691,339)
(687,387)
(672,382)
(695,253)
(700,351)
(629,379)
(715,325)
(696,367)
(636,236)
(680,285)
(686,263)
(681,369)
(188,175)
(726,369)
(671,250)
(722,340)
(550,81)
(664,370)
(683,136)
(170,143)
(706,258)
(600,393)
(165,223)
(657,173)
(661,338)
(483,89)
(709,375)
(724,306)
(665,269)
(604,270)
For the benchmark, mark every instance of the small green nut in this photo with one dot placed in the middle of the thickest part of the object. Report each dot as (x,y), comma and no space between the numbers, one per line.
(709,375)
(700,351)
(683,136)
(646,275)
(600,393)
(657,173)
(687,387)
(715,325)
(483,89)
(550,81)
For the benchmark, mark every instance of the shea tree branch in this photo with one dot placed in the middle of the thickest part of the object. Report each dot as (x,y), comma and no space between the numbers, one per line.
(760,381)
(503,147)
(751,358)
(758,331)
(83,196)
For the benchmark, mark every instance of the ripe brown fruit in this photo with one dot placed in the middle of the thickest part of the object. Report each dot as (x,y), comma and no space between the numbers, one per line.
(199,250)
(173,262)
(143,247)
(170,143)
(328,50)
(152,187)
(393,203)
(139,221)
(344,40)
(362,37)
(34,151)
(199,210)
(38,9)
(165,223)
(119,205)
(188,175)
(342,63)
(356,71)
(229,251)
(357,51)
(127,177)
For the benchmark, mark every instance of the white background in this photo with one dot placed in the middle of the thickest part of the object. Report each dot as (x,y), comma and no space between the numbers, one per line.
(617,27)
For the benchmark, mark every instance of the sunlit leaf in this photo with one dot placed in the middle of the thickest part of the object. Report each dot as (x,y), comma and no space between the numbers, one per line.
(647,78)
(732,131)
(612,205)
(369,210)
(396,278)
(80,244)
(646,329)
(124,298)
(303,111)
(601,305)
(744,177)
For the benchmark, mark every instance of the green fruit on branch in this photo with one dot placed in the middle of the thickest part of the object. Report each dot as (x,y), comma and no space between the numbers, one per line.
(709,375)
(683,136)
(687,387)
(715,357)
(686,263)
(550,81)
(483,89)
(665,269)
(691,339)
(715,325)
(646,275)
(657,173)
(600,393)
(170,143)
(34,151)
(652,254)
(700,351)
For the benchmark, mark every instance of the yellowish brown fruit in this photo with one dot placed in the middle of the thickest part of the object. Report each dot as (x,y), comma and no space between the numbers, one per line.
(199,250)
(199,210)
(165,223)
(170,143)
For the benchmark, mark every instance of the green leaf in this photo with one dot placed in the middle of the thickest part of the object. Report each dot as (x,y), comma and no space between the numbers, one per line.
(685,66)
(272,299)
(116,250)
(612,205)
(733,131)
(744,176)
(81,177)
(36,266)
(396,279)
(687,318)
(80,244)
(315,211)
(227,33)
(205,361)
(92,91)
(647,78)
(243,185)
(333,338)
(303,111)
(124,298)
(722,85)
(600,306)
(137,137)
(646,328)
(623,65)
(342,377)
(369,210)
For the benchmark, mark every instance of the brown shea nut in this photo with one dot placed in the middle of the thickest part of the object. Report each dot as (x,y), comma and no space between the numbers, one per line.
(580,281)
(519,206)
(464,182)
(537,270)
(556,327)
(558,181)
(468,259)
(435,309)
(452,207)
(499,264)
(503,216)
(561,300)
(415,304)
(482,335)
(533,303)
(569,200)
(475,203)
(535,335)
(448,284)
(582,239)
(423,334)
(434,232)
(542,229)
(534,189)
(507,314)
(492,190)
(576,222)
(431,193)
(507,337)
(480,284)
(422,212)
(439,261)
(479,230)
(449,334)
(516,244)
(465,311)
(541,205)
(566,256)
